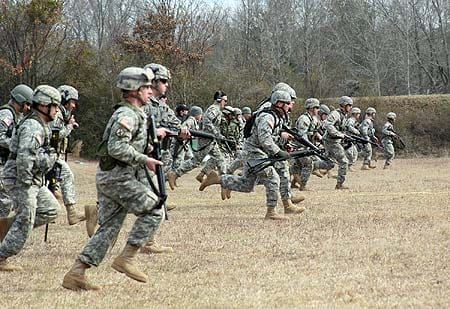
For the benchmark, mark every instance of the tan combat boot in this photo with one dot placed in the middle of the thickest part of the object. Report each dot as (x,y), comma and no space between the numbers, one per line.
(317,173)
(351,169)
(297,199)
(341,186)
(295,181)
(371,165)
(75,279)
(153,247)
(5,225)
(303,187)
(271,214)
(289,208)
(172,179)
(365,167)
(386,167)
(330,174)
(5,266)
(225,193)
(211,179)
(91,218)
(73,217)
(124,263)
(200,176)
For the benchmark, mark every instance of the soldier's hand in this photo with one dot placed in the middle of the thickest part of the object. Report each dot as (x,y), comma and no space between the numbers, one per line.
(152,163)
(289,148)
(73,122)
(286,136)
(161,133)
(282,155)
(184,133)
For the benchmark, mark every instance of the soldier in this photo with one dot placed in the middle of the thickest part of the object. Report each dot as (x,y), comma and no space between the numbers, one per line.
(122,187)
(351,126)
(334,128)
(306,125)
(246,113)
(322,167)
(10,114)
(210,123)
(387,135)
(368,132)
(262,143)
(62,127)
(182,112)
(30,158)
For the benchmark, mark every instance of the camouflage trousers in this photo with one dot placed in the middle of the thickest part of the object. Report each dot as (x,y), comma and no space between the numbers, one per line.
(352,154)
(245,183)
(282,169)
(33,206)
(217,160)
(366,153)
(336,151)
(237,163)
(5,200)
(121,191)
(183,153)
(388,150)
(67,183)
(304,167)
(319,164)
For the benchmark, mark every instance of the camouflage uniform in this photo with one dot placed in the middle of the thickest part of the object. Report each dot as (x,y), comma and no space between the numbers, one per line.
(333,126)
(306,125)
(8,120)
(182,149)
(164,117)
(124,188)
(351,126)
(61,131)
(261,144)
(367,132)
(387,142)
(210,123)
(23,176)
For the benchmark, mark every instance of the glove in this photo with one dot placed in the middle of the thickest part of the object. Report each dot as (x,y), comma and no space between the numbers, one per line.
(282,155)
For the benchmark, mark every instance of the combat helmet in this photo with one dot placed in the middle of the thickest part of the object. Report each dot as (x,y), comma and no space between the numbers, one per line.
(355,110)
(311,103)
(68,93)
(323,109)
(22,94)
(46,95)
(132,78)
(280,95)
(345,100)
(160,71)
(391,115)
(285,87)
(371,110)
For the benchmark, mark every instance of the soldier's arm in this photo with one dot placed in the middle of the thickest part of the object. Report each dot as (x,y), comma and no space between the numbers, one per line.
(209,120)
(6,121)
(387,129)
(328,125)
(302,124)
(364,128)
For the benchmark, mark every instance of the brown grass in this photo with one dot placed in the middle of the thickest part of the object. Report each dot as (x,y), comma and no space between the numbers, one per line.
(385,243)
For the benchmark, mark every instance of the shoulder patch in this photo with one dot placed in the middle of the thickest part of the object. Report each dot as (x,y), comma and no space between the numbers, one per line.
(7,121)
(127,123)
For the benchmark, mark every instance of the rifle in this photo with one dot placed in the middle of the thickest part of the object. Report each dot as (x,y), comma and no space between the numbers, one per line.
(358,139)
(317,151)
(257,165)
(156,153)
(175,132)
(401,144)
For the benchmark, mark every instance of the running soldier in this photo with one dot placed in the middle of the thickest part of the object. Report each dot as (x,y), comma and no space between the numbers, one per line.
(262,143)
(30,158)
(306,125)
(322,167)
(334,127)
(10,114)
(368,132)
(122,186)
(388,134)
(351,126)
(62,127)
(210,123)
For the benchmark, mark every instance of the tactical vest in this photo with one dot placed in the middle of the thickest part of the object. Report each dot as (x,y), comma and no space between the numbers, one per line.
(4,152)
(251,121)
(106,162)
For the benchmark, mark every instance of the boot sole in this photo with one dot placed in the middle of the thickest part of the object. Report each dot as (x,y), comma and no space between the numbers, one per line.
(77,285)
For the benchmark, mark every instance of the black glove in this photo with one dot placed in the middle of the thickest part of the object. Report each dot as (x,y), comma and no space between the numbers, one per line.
(282,155)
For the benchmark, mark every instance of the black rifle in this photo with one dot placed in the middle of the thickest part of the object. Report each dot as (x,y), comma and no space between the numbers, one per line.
(156,153)
(52,179)
(399,139)
(358,139)
(175,132)
(257,165)
(317,151)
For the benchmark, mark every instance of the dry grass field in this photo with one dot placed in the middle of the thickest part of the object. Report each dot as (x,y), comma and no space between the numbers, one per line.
(384,243)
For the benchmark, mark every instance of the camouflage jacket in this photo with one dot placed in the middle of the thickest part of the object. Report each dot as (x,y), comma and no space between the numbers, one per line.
(387,131)
(8,120)
(30,158)
(367,130)
(334,125)
(351,125)
(210,122)
(60,130)
(306,125)
(164,115)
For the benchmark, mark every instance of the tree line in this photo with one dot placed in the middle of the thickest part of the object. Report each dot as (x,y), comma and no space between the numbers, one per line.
(322,48)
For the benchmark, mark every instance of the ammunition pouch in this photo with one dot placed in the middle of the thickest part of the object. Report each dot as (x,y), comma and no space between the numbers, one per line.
(106,162)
